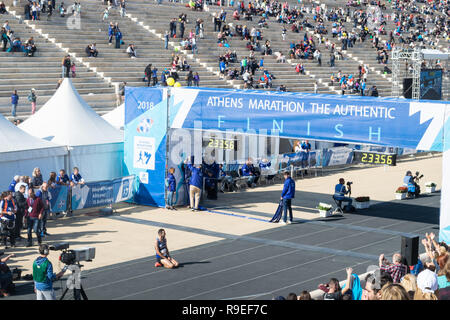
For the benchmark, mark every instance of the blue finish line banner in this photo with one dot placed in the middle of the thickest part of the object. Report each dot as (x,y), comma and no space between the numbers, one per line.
(99,194)
(352,119)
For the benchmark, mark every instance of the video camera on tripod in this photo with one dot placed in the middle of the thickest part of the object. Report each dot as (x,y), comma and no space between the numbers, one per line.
(73,256)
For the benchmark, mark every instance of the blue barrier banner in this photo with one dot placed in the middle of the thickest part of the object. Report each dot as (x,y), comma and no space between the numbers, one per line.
(58,198)
(351,119)
(145,142)
(104,193)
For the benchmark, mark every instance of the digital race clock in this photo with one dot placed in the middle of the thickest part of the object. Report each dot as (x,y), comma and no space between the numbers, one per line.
(227,144)
(375,158)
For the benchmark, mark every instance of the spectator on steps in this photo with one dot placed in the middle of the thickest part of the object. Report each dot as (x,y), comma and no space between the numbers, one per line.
(189,78)
(32,98)
(16,45)
(14,102)
(154,75)
(62,10)
(196,79)
(30,47)
(91,50)
(4,38)
(166,40)
(131,51)
(118,36)
(2,8)
(148,74)
(111,30)
(67,65)
(73,70)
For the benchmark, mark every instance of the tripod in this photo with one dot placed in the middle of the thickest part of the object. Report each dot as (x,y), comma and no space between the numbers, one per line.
(78,293)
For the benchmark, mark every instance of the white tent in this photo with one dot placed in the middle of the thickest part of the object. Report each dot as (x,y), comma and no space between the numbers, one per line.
(95,147)
(20,153)
(116,117)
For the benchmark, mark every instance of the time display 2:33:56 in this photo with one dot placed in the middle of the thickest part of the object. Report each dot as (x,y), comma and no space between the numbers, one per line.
(377,158)
(221,144)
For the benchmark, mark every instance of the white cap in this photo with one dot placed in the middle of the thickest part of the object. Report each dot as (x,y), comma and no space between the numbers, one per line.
(427,281)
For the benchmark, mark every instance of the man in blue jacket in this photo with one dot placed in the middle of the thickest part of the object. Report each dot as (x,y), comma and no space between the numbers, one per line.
(287,195)
(195,185)
(340,192)
(43,275)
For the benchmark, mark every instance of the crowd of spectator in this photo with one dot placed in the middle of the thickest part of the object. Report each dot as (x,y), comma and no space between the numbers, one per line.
(429,279)
(418,24)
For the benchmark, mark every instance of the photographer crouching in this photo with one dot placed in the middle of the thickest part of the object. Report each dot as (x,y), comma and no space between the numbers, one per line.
(340,192)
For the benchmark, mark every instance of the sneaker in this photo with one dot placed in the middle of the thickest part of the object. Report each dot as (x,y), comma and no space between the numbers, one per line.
(282,222)
(157,265)
(289,222)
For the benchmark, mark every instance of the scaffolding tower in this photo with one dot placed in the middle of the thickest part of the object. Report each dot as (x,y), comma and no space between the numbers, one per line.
(413,57)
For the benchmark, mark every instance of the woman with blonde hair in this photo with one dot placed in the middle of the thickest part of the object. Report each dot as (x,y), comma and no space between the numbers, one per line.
(394,291)
(409,283)
(37,178)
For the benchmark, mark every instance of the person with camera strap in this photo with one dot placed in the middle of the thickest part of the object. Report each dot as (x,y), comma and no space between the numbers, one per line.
(43,275)
(340,192)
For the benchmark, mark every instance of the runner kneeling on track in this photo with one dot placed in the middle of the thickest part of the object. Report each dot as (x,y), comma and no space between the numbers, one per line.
(163,257)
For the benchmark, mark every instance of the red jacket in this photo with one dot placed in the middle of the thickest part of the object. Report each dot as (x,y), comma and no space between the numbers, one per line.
(37,207)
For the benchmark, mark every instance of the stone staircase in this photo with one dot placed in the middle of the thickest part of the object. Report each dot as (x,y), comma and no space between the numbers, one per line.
(42,72)
(144,25)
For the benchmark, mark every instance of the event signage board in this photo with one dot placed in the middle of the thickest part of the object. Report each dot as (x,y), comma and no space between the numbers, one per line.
(145,142)
(351,119)
(103,193)
(58,198)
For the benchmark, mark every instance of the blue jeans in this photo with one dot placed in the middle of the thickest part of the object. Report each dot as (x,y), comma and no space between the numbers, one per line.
(33,224)
(286,206)
(251,180)
(170,195)
(13,110)
(344,199)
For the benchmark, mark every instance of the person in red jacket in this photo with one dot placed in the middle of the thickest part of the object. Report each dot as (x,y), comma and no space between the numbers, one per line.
(35,209)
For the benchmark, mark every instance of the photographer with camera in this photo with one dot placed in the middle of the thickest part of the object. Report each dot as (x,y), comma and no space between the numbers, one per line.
(410,182)
(340,191)
(43,275)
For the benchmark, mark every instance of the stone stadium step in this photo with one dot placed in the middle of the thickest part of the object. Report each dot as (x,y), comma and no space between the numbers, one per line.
(43,71)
